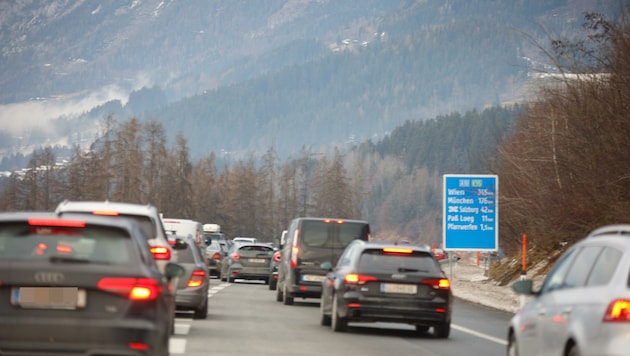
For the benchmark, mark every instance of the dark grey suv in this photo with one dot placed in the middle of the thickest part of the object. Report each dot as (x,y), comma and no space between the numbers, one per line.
(309,243)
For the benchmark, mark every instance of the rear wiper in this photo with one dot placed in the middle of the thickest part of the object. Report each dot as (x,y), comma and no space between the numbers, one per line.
(403,269)
(62,259)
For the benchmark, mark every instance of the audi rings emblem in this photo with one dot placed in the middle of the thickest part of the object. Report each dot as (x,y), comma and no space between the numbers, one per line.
(49,277)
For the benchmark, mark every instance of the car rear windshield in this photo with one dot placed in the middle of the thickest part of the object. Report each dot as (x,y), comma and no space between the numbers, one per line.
(379,261)
(332,234)
(20,241)
(255,250)
(187,255)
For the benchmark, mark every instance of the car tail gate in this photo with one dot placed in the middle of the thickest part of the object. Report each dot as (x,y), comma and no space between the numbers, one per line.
(398,271)
(255,255)
(323,240)
(59,265)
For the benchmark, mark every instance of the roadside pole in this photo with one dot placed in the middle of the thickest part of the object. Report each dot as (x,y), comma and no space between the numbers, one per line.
(523,268)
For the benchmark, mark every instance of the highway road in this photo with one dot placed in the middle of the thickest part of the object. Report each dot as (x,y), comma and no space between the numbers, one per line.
(245,319)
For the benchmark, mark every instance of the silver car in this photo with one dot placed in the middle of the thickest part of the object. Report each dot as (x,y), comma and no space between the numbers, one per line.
(583,306)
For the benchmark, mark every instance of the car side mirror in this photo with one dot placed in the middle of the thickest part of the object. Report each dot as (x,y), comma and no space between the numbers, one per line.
(180,244)
(173,270)
(524,286)
(327,266)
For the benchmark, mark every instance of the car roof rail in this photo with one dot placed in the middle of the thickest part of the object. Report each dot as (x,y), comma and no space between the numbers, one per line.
(617,229)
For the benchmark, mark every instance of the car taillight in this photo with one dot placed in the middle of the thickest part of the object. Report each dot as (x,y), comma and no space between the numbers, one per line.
(161,253)
(105,213)
(618,311)
(216,256)
(131,288)
(295,249)
(236,256)
(441,283)
(139,346)
(197,278)
(56,222)
(277,256)
(353,278)
(397,251)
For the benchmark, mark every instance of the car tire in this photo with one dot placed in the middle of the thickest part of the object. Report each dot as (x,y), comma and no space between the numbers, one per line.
(279,295)
(442,330)
(512,347)
(324,319)
(287,299)
(337,323)
(273,284)
(202,312)
(573,351)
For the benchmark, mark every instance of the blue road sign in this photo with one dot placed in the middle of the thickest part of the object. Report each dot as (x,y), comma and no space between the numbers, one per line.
(471,211)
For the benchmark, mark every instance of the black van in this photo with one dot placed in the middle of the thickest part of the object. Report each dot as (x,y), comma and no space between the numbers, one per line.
(309,243)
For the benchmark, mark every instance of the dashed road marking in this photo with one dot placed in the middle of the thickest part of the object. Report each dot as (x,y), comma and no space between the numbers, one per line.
(478,334)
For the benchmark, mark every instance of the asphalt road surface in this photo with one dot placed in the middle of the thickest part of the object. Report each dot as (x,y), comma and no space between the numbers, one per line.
(245,319)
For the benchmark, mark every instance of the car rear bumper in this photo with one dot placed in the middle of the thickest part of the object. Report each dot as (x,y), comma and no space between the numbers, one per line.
(385,310)
(38,336)
(190,299)
(305,291)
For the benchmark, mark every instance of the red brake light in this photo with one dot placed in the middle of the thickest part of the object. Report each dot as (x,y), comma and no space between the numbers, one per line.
(295,250)
(236,256)
(442,283)
(618,311)
(161,253)
(397,250)
(353,278)
(132,288)
(105,212)
(216,256)
(197,278)
(277,256)
(139,346)
(56,222)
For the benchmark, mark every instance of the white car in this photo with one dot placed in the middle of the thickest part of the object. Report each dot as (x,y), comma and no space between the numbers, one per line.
(583,306)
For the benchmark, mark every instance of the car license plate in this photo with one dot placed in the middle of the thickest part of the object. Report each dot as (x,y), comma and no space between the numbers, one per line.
(257,260)
(399,288)
(312,278)
(48,297)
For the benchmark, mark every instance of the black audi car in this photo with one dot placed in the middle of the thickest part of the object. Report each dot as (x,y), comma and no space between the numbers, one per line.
(85,285)
(378,282)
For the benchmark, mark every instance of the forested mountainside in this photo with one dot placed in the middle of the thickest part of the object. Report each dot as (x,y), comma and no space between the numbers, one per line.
(239,76)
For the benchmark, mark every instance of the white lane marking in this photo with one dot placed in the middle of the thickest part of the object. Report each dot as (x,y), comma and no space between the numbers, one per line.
(177,346)
(182,328)
(478,334)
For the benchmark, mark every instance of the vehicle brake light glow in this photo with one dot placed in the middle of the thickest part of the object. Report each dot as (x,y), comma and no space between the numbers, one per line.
(353,278)
(236,256)
(397,250)
(277,256)
(618,311)
(132,288)
(161,253)
(105,213)
(442,283)
(197,278)
(328,221)
(64,249)
(295,250)
(216,256)
(138,346)
(56,222)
